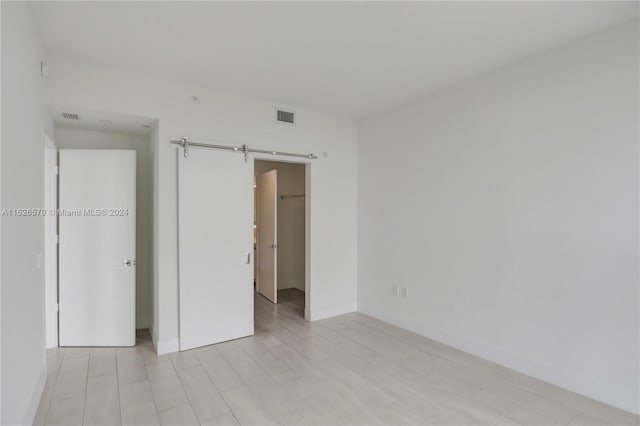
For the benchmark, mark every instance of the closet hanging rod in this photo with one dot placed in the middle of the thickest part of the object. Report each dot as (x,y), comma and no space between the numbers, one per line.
(185,143)
(284,197)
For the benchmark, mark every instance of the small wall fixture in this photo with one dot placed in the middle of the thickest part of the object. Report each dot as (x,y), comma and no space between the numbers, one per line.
(44,69)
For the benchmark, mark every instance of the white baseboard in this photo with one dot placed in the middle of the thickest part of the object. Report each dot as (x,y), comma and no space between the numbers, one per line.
(322,313)
(502,356)
(291,285)
(154,338)
(35,397)
(143,325)
(166,346)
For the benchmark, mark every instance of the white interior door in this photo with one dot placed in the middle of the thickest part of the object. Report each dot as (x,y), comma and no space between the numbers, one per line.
(97,247)
(267,234)
(215,196)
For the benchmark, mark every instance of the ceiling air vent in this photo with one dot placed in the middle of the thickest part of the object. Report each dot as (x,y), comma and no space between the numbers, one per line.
(70,116)
(285,116)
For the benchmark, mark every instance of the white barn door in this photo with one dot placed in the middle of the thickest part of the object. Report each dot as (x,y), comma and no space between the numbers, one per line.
(215,235)
(97,248)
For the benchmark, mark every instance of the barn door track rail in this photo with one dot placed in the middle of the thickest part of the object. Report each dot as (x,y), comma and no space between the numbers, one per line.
(185,143)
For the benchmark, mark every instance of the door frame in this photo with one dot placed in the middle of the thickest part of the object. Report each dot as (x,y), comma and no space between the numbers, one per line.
(307,221)
(51,240)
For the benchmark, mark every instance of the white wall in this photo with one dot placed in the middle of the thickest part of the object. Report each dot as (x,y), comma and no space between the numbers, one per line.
(51,243)
(291,226)
(23,124)
(235,119)
(74,138)
(508,206)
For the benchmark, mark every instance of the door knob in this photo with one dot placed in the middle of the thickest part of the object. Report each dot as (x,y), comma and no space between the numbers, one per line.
(129,262)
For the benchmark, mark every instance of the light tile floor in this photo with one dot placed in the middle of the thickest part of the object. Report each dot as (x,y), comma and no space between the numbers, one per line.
(351,369)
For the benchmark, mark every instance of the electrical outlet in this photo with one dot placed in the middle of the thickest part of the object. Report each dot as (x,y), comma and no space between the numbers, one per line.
(396,290)
(405,292)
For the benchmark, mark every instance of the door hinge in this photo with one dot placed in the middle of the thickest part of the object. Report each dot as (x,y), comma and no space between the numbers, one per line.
(56,170)
(57,308)
(57,239)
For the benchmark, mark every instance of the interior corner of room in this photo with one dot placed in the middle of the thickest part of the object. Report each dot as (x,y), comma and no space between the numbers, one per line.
(346,213)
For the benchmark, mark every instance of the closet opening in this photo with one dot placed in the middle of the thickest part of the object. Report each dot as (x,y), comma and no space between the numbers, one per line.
(280,237)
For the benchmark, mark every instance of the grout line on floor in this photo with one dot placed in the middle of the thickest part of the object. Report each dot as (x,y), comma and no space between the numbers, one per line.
(86,385)
(115,354)
(46,414)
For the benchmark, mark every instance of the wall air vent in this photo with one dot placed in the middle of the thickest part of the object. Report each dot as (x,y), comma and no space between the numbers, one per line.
(283,116)
(70,116)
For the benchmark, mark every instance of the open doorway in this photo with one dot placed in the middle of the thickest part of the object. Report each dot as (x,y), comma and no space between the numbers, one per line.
(280,218)
(90,148)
